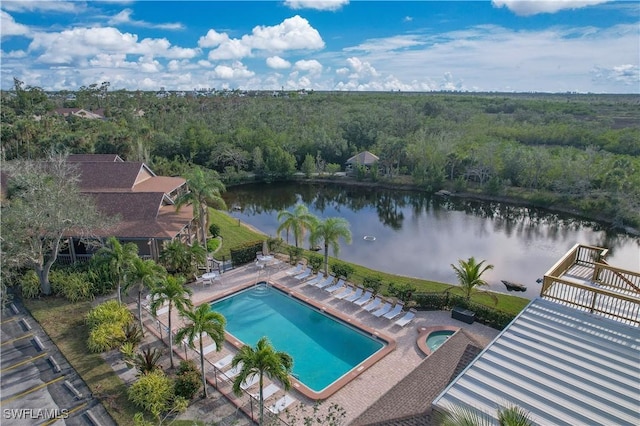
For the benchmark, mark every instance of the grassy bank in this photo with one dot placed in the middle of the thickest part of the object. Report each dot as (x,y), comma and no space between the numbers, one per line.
(233,232)
(64,323)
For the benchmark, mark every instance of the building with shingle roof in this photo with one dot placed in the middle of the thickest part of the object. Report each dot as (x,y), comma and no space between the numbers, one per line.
(143,203)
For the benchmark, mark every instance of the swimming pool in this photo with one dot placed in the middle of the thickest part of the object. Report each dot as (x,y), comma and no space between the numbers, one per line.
(431,338)
(324,348)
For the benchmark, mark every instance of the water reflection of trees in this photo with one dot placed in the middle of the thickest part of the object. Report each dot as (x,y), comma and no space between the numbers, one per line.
(390,206)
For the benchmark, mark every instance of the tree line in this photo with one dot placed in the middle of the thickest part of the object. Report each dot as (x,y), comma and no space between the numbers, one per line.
(580,151)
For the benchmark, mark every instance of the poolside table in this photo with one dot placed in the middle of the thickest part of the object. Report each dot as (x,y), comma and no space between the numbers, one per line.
(209,277)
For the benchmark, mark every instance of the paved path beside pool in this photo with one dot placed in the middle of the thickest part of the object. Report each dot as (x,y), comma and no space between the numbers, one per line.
(366,388)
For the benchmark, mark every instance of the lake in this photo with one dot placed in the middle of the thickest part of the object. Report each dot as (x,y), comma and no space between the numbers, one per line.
(421,235)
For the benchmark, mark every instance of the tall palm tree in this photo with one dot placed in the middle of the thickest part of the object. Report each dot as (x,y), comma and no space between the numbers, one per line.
(120,258)
(143,274)
(511,415)
(469,275)
(297,221)
(262,360)
(203,321)
(204,191)
(329,232)
(171,290)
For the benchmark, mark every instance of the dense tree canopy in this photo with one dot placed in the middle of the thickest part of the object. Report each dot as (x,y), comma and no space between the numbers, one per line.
(584,150)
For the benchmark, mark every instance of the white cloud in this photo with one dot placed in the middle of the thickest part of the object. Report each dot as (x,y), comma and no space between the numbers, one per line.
(9,27)
(388,43)
(312,66)
(71,45)
(44,6)
(292,34)
(408,18)
(235,71)
(15,54)
(277,63)
(316,4)
(534,7)
(124,17)
(626,74)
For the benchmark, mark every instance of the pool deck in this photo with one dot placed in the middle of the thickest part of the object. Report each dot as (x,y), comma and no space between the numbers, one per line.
(367,386)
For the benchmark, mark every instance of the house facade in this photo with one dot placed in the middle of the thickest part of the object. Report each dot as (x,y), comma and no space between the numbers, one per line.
(142,202)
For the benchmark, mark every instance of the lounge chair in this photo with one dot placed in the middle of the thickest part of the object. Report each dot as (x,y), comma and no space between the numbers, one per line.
(373,305)
(282,404)
(355,296)
(315,280)
(364,298)
(233,371)
(212,347)
(250,381)
(336,286)
(395,311)
(348,290)
(162,310)
(407,318)
(295,270)
(380,312)
(267,392)
(304,274)
(223,362)
(325,282)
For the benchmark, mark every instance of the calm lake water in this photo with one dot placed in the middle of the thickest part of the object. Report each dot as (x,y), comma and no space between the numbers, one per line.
(419,235)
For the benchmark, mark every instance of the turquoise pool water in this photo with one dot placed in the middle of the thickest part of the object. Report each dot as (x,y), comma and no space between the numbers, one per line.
(437,338)
(323,348)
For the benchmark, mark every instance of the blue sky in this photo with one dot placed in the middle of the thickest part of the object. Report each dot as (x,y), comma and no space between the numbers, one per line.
(500,45)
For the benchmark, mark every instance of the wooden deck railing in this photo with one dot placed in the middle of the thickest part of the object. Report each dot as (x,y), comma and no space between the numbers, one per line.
(613,292)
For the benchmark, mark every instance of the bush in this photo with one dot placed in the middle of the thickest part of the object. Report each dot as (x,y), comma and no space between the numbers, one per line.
(245,253)
(152,392)
(402,291)
(315,261)
(73,286)
(344,270)
(374,283)
(105,337)
(30,285)
(214,230)
(110,312)
(213,244)
(188,381)
(295,254)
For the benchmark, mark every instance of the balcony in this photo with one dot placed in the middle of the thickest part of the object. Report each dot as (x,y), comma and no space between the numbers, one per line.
(583,279)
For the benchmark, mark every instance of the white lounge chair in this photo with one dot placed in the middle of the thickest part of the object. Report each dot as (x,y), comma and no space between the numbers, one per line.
(325,282)
(250,381)
(295,270)
(267,392)
(373,305)
(336,286)
(282,404)
(407,318)
(303,275)
(162,310)
(348,290)
(380,312)
(233,371)
(364,298)
(395,311)
(212,347)
(356,295)
(315,280)
(223,362)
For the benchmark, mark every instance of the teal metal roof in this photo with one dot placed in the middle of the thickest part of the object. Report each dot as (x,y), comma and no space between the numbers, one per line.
(563,365)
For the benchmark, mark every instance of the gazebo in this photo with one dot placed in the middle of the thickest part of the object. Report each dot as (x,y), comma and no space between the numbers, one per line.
(365,158)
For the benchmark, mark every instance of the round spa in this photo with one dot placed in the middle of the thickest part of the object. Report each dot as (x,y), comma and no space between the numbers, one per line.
(431,338)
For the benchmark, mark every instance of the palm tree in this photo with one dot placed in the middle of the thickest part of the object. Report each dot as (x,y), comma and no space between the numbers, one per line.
(262,360)
(469,275)
(203,321)
(511,415)
(204,191)
(329,232)
(172,291)
(298,222)
(120,258)
(143,274)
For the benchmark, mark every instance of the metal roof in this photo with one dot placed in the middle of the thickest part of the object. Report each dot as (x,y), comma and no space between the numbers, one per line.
(564,366)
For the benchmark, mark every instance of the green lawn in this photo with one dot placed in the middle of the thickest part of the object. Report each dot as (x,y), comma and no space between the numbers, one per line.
(233,233)
(64,323)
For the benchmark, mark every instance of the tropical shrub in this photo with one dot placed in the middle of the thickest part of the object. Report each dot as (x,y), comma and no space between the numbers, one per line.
(214,230)
(73,286)
(245,253)
(374,283)
(101,276)
(188,381)
(30,285)
(315,261)
(133,334)
(107,323)
(295,254)
(154,393)
(213,244)
(344,270)
(105,337)
(109,312)
(402,291)
(145,362)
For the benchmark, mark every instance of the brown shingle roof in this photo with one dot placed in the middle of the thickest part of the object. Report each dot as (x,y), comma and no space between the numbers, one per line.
(93,157)
(164,184)
(409,401)
(108,176)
